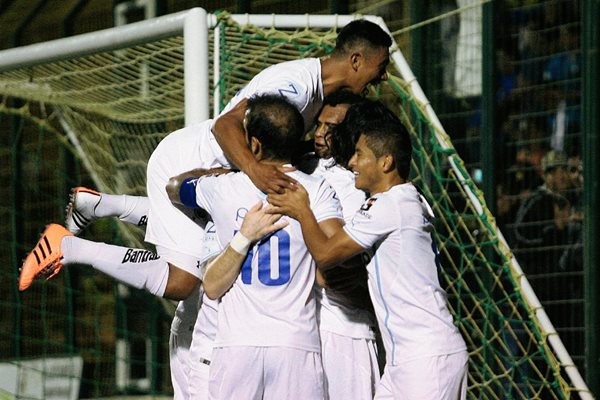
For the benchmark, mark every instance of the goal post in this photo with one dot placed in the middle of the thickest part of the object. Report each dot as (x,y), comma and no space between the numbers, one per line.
(110,96)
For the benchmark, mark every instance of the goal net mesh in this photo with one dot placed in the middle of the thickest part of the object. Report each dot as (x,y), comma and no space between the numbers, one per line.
(96,119)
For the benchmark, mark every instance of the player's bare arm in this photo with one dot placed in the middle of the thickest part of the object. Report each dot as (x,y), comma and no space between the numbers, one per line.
(229,132)
(327,251)
(225,268)
(173,187)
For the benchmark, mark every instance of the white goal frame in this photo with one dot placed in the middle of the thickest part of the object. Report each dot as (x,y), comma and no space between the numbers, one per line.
(194,25)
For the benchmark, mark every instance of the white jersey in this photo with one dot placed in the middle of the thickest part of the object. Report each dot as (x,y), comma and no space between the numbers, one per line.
(173,228)
(271,303)
(409,303)
(335,314)
(299,81)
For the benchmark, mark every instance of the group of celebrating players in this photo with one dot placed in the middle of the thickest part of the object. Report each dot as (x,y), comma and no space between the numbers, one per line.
(289,265)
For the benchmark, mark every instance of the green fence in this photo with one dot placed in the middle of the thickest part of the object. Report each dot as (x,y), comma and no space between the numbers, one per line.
(507,80)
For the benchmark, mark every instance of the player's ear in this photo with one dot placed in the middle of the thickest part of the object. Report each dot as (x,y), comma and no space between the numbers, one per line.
(256,147)
(387,163)
(356,60)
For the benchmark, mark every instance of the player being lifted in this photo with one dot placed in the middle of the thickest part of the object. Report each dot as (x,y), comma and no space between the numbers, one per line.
(359,59)
(267,318)
(426,356)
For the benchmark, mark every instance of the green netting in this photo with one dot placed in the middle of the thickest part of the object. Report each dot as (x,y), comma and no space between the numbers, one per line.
(110,110)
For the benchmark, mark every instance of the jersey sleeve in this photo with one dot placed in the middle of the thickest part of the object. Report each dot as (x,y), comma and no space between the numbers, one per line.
(373,221)
(293,90)
(286,79)
(326,205)
(205,192)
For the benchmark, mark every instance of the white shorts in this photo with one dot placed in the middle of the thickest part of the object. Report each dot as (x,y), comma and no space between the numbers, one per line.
(178,231)
(432,378)
(269,373)
(205,330)
(180,343)
(198,379)
(179,350)
(350,366)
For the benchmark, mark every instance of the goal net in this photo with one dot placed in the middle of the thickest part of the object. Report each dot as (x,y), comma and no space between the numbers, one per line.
(90,110)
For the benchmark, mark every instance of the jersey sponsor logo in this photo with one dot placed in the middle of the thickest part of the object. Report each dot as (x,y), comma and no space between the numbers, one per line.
(143,221)
(292,90)
(139,256)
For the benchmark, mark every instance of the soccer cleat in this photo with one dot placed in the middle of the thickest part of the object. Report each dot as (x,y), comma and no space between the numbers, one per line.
(80,210)
(44,259)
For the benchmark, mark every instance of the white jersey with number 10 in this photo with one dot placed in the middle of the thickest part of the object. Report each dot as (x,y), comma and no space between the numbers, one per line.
(271,303)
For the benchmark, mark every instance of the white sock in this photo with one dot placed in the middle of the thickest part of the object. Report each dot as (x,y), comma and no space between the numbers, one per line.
(139,268)
(131,209)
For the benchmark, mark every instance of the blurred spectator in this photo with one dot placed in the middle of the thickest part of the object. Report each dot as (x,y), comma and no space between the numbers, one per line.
(575,167)
(519,182)
(539,211)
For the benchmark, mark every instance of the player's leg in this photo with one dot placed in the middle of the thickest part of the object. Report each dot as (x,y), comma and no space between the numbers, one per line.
(174,272)
(180,340)
(179,345)
(350,366)
(86,205)
(205,330)
(58,247)
(293,371)
(237,373)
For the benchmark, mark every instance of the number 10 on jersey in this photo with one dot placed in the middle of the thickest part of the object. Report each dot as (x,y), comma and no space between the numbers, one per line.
(273,260)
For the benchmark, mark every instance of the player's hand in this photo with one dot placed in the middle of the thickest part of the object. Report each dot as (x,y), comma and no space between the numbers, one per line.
(270,178)
(291,203)
(257,223)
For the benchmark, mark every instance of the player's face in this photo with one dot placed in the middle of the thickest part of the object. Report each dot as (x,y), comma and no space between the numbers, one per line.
(328,119)
(365,166)
(372,69)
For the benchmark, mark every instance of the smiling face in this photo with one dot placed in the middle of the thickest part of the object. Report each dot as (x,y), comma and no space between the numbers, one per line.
(369,67)
(366,167)
(329,118)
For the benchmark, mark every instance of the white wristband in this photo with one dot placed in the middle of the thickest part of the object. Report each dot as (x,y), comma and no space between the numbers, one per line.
(240,243)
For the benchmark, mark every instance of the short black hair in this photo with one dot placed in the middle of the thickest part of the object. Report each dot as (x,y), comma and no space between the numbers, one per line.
(276,123)
(360,117)
(361,32)
(391,137)
(342,97)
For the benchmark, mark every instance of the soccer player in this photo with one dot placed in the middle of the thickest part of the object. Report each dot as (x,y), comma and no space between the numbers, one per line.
(267,316)
(348,347)
(426,356)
